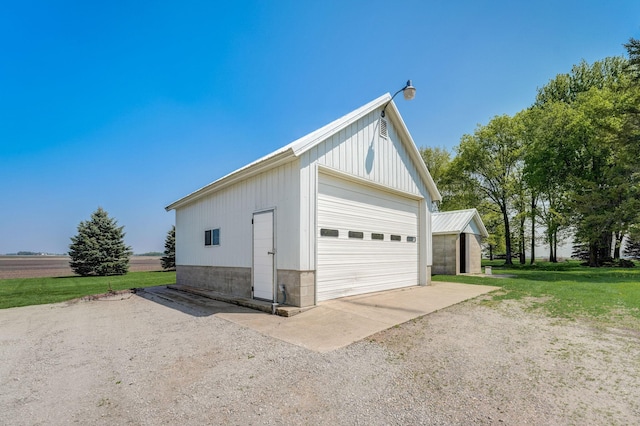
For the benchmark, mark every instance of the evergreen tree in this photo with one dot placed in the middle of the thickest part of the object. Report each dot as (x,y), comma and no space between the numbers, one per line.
(632,248)
(169,258)
(98,248)
(580,251)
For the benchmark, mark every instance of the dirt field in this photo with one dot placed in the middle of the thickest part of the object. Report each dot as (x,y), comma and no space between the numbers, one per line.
(146,362)
(58,266)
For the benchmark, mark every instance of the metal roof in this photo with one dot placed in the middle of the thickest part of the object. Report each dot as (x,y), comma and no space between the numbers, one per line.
(455,222)
(305,143)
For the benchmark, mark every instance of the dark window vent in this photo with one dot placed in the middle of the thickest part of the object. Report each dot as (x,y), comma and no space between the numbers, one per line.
(329,232)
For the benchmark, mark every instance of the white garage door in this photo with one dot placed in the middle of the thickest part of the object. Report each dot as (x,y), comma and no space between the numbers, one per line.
(367,239)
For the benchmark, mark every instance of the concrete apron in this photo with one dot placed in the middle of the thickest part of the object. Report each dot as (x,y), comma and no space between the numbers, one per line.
(337,323)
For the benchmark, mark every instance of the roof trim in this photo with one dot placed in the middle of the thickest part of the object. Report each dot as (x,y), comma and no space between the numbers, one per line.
(273,160)
(307,142)
(472,215)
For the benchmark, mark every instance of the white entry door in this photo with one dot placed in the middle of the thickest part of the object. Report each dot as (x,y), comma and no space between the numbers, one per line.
(263,255)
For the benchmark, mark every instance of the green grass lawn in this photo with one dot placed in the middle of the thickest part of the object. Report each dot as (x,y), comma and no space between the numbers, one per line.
(36,291)
(566,289)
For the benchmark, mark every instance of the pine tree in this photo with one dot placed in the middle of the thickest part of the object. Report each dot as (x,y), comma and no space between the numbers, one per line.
(99,248)
(169,258)
(632,248)
(580,251)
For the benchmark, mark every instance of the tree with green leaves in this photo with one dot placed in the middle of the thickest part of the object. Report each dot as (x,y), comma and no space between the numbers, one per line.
(581,147)
(99,248)
(169,258)
(457,190)
(494,224)
(460,192)
(547,132)
(492,157)
(437,161)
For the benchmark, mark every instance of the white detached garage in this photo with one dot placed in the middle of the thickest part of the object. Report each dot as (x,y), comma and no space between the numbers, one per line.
(344,210)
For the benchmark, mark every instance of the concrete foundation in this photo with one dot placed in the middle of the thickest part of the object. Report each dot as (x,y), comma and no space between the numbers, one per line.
(225,280)
(300,287)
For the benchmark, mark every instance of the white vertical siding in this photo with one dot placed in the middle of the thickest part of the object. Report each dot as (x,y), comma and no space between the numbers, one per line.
(347,151)
(426,243)
(231,210)
(360,151)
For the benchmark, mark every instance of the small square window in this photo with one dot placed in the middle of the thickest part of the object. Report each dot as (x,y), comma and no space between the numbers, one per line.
(212,237)
(411,239)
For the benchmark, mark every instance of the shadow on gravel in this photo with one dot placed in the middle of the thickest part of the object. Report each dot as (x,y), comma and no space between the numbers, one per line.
(190,304)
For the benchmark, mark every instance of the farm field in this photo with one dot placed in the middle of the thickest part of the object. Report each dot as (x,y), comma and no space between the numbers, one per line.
(58,266)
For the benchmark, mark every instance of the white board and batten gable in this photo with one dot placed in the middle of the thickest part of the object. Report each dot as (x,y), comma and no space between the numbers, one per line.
(359,177)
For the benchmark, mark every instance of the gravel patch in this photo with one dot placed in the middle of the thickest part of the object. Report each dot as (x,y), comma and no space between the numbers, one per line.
(134,361)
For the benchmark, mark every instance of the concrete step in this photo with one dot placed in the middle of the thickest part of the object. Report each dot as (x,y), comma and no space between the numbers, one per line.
(282,310)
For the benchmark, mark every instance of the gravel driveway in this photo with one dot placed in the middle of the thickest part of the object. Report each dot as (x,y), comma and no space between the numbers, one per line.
(134,361)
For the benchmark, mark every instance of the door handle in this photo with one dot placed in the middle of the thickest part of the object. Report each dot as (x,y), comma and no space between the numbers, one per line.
(271,252)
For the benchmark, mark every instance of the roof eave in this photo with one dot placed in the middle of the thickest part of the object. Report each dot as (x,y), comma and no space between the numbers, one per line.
(310,140)
(300,146)
(236,176)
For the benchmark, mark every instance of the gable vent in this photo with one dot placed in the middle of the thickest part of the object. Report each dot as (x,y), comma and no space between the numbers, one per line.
(383,128)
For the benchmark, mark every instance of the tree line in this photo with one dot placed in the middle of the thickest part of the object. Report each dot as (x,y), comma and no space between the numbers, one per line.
(569,163)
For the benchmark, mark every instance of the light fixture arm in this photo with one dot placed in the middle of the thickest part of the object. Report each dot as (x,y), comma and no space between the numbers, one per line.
(409,93)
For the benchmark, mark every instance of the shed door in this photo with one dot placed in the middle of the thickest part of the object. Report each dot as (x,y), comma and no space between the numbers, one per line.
(367,239)
(263,255)
(463,253)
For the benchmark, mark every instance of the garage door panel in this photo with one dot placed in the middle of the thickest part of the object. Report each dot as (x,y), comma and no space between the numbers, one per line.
(333,187)
(350,217)
(348,254)
(384,275)
(348,266)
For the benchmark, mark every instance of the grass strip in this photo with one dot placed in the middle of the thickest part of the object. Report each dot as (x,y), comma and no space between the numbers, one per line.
(36,291)
(567,289)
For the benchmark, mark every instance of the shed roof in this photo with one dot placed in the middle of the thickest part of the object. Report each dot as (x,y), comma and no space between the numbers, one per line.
(305,143)
(455,222)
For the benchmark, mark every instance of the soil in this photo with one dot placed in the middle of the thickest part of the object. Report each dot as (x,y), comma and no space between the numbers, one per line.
(130,360)
(58,266)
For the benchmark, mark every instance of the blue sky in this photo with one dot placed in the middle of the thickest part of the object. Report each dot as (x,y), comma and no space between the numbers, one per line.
(132,105)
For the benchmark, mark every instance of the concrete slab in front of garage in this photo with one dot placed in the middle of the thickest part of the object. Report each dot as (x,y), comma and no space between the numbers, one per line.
(337,323)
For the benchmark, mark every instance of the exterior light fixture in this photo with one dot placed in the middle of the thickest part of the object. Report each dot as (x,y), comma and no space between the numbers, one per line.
(408,91)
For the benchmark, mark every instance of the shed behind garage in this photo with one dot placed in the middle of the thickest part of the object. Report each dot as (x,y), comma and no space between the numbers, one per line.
(457,238)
